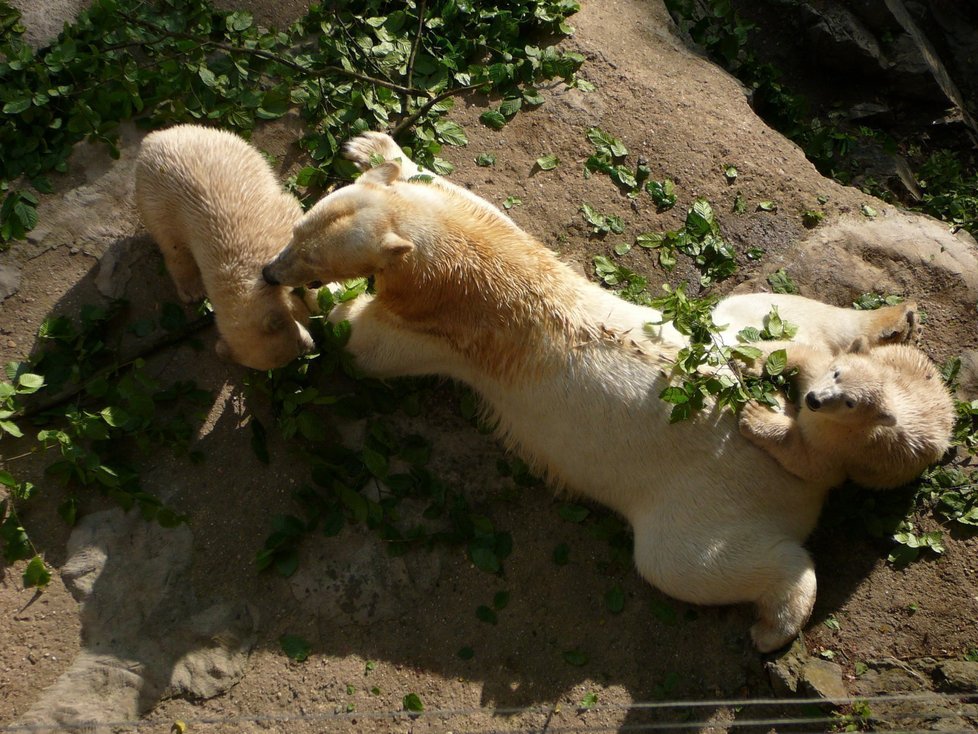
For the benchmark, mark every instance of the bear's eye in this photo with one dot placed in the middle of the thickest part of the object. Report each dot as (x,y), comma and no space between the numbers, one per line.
(850,404)
(835,376)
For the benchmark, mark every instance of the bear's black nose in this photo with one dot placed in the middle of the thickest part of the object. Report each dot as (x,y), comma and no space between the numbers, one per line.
(812,402)
(266,273)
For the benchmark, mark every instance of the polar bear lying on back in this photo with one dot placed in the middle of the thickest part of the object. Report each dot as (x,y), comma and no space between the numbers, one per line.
(572,376)
(878,416)
(213,205)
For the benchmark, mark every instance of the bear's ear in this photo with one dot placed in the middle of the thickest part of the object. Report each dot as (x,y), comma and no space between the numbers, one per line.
(273,322)
(859,346)
(383,175)
(394,247)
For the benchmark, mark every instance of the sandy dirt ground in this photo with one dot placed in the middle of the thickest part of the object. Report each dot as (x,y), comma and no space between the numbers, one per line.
(178,625)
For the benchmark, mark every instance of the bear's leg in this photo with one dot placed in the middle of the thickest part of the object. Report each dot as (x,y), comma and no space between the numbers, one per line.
(892,324)
(721,564)
(384,348)
(183,269)
(787,601)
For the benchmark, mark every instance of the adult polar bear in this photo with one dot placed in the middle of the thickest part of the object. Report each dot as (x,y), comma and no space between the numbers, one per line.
(573,378)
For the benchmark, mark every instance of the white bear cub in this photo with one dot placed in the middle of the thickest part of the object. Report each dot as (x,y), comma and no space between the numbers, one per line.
(876,415)
(217,212)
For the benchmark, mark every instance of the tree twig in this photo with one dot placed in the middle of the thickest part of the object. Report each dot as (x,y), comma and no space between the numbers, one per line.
(423,109)
(268,56)
(153,347)
(417,42)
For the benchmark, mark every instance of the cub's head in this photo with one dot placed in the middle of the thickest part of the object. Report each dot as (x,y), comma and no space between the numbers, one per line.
(347,234)
(264,333)
(851,390)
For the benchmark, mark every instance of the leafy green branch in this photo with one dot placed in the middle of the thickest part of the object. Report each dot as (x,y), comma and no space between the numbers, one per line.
(344,68)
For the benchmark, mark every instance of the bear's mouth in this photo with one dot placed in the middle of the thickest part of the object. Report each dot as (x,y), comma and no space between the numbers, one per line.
(314,284)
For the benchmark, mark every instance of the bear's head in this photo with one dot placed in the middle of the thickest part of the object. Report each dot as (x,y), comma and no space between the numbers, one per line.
(851,390)
(265,333)
(348,234)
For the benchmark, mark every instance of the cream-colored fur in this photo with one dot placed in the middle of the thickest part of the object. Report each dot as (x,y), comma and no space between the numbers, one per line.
(573,378)
(821,325)
(212,203)
(877,416)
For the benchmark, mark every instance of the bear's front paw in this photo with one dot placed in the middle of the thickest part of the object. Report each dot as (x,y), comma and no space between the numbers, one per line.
(369,145)
(753,417)
(903,327)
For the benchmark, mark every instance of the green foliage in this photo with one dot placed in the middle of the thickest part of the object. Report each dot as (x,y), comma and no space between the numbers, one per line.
(626,283)
(608,158)
(705,373)
(948,179)
(872,301)
(811,218)
(412,702)
(547,162)
(344,67)
(111,413)
(781,282)
(602,224)
(575,657)
(699,239)
(950,190)
(296,647)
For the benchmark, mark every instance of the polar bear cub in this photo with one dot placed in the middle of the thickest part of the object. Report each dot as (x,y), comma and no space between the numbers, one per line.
(214,207)
(877,416)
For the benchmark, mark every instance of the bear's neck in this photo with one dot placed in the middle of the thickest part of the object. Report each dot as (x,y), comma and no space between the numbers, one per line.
(500,298)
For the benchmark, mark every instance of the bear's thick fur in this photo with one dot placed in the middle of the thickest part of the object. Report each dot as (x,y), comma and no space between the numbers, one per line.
(214,207)
(572,376)
(878,416)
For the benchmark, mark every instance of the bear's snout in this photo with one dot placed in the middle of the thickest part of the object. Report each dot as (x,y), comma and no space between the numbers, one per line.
(268,276)
(812,402)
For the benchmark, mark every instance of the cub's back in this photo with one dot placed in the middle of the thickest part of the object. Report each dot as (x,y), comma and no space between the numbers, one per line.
(213,185)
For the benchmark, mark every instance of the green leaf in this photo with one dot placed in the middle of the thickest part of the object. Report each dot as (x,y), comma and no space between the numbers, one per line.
(493,119)
(776,362)
(36,574)
(664,612)
(589,700)
(451,132)
(575,657)
(375,462)
(547,162)
(485,559)
(295,646)
(561,555)
(412,702)
(767,206)
(500,600)
(739,204)
(780,282)
(487,615)
(15,107)
(485,160)
(868,211)
(573,513)
(730,173)
(615,599)
(510,106)
(30,382)
(11,428)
